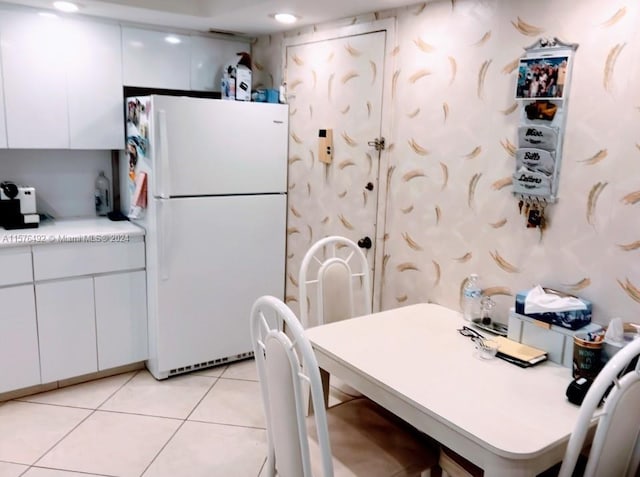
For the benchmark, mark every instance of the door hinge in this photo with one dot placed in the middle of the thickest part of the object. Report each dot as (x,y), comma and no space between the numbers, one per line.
(377,143)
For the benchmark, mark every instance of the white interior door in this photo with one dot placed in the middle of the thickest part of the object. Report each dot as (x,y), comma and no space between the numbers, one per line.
(333,84)
(217,255)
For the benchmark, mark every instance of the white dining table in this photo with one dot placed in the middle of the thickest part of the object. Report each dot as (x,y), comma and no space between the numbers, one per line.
(510,421)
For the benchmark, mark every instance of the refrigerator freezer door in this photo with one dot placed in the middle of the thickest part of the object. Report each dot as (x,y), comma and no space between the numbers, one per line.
(219,254)
(215,147)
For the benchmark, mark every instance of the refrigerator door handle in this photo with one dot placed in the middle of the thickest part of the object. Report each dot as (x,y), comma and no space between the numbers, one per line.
(163,156)
(164,237)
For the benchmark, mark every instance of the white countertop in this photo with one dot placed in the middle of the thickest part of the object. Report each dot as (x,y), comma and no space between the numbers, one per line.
(94,230)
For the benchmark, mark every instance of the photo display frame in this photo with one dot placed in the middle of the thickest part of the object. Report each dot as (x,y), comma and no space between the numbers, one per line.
(542,77)
(542,90)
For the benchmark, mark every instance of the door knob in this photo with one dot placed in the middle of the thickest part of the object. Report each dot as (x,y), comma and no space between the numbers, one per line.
(369,186)
(365,242)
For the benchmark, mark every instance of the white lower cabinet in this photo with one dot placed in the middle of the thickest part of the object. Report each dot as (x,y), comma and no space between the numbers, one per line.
(71,309)
(18,339)
(121,318)
(66,328)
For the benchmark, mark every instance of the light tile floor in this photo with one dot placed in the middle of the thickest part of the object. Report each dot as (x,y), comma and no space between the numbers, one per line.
(208,423)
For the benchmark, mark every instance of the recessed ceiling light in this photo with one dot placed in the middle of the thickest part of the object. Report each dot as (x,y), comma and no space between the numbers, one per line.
(66,7)
(285,18)
(47,15)
(174,40)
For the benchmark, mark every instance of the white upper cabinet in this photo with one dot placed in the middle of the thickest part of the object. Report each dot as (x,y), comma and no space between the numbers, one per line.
(94,79)
(154,59)
(34,69)
(62,82)
(208,57)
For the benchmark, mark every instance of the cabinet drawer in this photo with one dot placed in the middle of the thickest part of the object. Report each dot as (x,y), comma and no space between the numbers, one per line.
(16,265)
(75,259)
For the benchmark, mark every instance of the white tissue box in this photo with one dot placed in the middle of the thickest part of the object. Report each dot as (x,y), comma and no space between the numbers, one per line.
(555,340)
(572,319)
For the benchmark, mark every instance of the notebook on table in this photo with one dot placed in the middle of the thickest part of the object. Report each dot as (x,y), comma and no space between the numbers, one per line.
(519,354)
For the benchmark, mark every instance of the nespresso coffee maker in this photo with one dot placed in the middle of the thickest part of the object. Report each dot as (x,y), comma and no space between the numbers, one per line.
(18,207)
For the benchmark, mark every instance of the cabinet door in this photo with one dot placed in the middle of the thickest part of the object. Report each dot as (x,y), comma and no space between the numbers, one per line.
(34,68)
(208,57)
(18,339)
(149,60)
(121,319)
(66,328)
(96,107)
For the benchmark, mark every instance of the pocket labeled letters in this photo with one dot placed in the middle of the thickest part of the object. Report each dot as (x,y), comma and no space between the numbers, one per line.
(530,182)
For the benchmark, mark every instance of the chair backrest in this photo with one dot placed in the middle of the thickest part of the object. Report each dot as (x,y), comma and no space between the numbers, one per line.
(332,264)
(616,445)
(280,348)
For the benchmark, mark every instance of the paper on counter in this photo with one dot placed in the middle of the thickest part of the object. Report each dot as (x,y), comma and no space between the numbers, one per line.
(539,301)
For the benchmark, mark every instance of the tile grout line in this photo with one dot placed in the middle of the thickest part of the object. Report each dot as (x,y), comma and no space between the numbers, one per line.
(76,426)
(95,409)
(79,472)
(228,425)
(264,463)
(119,389)
(24,399)
(129,413)
(180,426)
(62,438)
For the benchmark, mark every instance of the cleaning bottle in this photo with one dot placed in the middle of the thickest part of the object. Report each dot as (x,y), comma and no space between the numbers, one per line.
(102,196)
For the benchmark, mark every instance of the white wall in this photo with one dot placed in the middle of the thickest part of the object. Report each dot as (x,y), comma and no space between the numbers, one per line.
(64,180)
(453,88)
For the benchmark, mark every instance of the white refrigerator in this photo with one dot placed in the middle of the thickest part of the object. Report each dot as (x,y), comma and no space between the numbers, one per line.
(207,180)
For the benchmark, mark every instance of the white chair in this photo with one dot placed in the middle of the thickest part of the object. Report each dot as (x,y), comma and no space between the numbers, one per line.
(368,441)
(332,264)
(615,450)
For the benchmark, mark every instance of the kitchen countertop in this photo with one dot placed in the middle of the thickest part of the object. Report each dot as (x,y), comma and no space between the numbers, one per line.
(89,230)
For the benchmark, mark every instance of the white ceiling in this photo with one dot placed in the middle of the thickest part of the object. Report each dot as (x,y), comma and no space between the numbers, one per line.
(246,17)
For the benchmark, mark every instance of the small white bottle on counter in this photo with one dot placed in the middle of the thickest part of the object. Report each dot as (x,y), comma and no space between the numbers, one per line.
(102,195)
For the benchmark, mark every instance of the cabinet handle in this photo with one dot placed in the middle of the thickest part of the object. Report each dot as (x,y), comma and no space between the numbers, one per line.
(164,237)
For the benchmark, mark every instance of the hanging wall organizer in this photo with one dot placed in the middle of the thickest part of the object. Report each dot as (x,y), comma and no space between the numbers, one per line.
(542,90)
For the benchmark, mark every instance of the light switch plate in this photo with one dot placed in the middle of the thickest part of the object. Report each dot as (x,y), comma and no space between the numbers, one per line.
(325,145)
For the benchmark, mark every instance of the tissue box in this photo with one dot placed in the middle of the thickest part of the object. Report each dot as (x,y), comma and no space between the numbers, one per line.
(571,320)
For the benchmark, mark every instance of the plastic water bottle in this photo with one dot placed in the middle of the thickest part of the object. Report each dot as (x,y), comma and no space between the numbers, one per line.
(103,199)
(472,298)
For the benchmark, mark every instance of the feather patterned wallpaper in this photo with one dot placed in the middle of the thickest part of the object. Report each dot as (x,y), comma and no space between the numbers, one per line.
(454,121)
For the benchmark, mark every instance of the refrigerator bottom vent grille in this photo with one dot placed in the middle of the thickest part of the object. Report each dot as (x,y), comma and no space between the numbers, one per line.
(209,364)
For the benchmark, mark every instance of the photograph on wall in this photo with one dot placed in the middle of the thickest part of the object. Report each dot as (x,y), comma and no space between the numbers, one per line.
(543,77)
